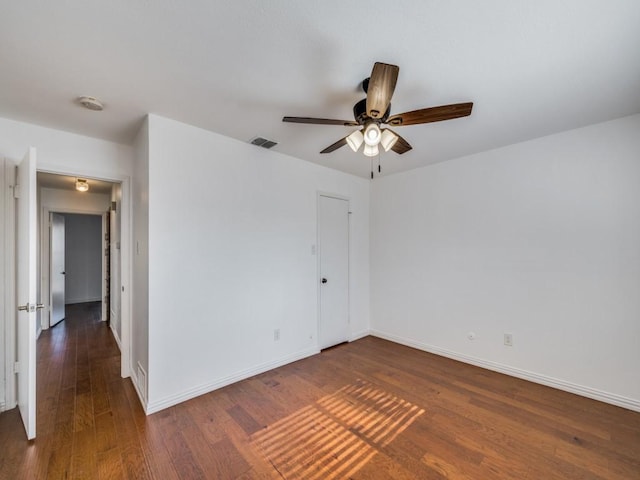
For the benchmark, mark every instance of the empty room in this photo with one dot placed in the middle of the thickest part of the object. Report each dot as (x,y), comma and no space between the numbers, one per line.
(335,240)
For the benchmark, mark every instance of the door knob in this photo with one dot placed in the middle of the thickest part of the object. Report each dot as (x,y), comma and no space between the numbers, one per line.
(324,280)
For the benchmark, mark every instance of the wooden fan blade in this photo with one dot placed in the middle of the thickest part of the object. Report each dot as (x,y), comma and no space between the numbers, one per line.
(380,90)
(340,143)
(320,121)
(433,114)
(401,146)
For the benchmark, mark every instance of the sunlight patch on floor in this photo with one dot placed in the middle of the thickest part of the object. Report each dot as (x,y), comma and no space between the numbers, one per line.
(337,435)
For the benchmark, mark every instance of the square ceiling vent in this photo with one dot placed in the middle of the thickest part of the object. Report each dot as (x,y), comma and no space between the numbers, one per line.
(262,142)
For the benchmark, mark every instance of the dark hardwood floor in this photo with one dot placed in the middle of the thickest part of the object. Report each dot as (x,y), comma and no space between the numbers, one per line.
(365,410)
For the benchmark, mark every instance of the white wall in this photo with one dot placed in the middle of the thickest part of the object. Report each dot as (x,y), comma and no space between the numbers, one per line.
(72,201)
(3,284)
(83,258)
(540,239)
(140,263)
(231,230)
(62,152)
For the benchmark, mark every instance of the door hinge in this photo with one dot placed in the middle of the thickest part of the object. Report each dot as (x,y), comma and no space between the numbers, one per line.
(16,367)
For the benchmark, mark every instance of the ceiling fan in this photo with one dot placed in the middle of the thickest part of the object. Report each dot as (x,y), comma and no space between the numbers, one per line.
(374,110)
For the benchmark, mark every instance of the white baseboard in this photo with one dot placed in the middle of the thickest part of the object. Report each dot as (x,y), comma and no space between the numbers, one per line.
(82,300)
(359,335)
(223,382)
(2,406)
(611,398)
(115,335)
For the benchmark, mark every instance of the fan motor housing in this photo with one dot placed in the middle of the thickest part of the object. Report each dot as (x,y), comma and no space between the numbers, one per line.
(360,113)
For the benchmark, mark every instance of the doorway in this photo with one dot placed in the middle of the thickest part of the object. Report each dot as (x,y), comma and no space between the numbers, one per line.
(104,273)
(333,247)
(92,211)
(80,262)
(14,190)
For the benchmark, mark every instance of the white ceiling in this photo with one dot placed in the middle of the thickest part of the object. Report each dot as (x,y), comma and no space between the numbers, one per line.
(532,68)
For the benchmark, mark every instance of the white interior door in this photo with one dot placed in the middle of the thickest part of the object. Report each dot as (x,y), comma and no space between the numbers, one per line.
(57,269)
(333,225)
(26,290)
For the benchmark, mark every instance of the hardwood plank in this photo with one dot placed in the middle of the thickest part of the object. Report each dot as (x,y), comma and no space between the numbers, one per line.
(83,456)
(109,464)
(246,421)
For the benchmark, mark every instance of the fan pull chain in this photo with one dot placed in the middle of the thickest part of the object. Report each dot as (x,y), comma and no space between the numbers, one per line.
(371,159)
(379,169)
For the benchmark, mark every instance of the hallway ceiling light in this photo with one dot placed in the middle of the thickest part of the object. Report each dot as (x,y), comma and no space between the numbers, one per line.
(82,185)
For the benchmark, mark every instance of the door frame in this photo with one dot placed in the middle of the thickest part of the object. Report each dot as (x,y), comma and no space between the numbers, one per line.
(46,279)
(337,196)
(126,231)
(10,400)
(45,257)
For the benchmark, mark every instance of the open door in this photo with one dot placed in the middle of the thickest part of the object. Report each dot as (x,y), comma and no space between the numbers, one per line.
(57,269)
(26,290)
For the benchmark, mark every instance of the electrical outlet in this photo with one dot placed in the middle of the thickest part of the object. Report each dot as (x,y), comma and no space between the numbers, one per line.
(508,339)
(276,335)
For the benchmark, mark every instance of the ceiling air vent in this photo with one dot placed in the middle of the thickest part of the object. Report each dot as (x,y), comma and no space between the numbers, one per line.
(263,142)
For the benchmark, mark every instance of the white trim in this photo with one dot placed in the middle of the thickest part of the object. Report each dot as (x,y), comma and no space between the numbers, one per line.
(172,400)
(104,245)
(116,336)
(359,335)
(83,300)
(10,400)
(593,393)
(126,275)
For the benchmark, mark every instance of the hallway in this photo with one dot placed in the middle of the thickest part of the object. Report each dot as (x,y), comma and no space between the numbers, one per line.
(83,405)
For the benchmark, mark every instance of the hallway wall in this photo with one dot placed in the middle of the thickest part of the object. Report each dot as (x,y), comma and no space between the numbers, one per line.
(83,258)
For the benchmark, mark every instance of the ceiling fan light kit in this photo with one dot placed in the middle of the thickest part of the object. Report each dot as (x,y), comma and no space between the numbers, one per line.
(374,111)
(388,139)
(355,140)
(371,150)
(372,134)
